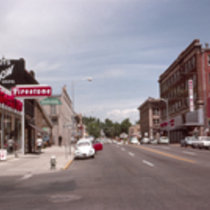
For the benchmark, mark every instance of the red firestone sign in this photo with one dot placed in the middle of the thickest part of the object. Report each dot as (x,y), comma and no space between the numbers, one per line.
(29,91)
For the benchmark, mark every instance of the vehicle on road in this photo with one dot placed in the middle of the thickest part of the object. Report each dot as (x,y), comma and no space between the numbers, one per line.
(201,142)
(145,140)
(163,140)
(97,145)
(134,140)
(205,142)
(187,141)
(84,149)
(153,141)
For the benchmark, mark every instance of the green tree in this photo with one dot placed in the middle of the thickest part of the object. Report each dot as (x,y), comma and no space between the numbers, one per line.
(125,124)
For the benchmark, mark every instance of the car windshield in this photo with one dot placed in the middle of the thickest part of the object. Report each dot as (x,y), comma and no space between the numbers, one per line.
(83,144)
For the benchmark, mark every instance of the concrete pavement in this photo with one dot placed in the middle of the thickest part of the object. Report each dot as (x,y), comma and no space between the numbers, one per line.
(37,163)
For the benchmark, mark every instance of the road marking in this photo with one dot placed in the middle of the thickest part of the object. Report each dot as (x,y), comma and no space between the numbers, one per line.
(148,163)
(131,154)
(167,148)
(26,176)
(168,155)
(122,149)
(189,153)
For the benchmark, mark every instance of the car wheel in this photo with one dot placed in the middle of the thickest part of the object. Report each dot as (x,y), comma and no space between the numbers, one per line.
(93,156)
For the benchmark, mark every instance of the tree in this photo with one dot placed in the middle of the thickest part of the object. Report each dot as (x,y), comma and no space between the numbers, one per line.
(125,124)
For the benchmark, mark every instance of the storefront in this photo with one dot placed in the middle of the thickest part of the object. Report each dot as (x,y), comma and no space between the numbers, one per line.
(183,125)
(10,121)
(13,73)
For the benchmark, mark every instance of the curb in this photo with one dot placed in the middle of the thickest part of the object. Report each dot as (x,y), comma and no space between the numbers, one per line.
(67,165)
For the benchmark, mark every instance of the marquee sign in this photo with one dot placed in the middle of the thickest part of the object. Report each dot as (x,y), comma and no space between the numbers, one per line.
(191,100)
(31,91)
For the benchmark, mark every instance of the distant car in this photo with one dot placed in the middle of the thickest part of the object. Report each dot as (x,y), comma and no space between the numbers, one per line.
(205,142)
(84,149)
(134,140)
(201,142)
(145,140)
(153,141)
(187,141)
(97,145)
(163,140)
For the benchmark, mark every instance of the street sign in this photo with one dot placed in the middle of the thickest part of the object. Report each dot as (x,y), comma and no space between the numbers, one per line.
(50,101)
(31,91)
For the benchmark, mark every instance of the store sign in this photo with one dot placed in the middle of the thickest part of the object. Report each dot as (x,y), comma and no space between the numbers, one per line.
(191,100)
(29,91)
(3,154)
(11,72)
(50,101)
(10,101)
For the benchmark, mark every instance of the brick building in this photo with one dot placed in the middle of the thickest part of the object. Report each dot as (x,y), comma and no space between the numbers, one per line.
(185,86)
(150,118)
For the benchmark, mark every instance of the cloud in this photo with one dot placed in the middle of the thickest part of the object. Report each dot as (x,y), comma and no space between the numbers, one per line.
(119,115)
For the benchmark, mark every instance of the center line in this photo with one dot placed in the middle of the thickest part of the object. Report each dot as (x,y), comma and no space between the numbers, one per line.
(148,163)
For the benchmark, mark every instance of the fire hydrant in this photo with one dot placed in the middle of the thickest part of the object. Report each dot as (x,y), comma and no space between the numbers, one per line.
(53,162)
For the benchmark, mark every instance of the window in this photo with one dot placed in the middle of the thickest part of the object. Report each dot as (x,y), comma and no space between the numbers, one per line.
(53,109)
(209,78)
(209,60)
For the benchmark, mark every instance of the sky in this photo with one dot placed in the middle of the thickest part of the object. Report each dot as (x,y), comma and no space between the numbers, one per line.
(124,45)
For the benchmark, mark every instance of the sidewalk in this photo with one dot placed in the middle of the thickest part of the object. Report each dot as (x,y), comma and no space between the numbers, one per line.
(37,163)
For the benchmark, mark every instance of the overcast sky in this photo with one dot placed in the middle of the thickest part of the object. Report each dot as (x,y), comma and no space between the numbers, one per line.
(124,45)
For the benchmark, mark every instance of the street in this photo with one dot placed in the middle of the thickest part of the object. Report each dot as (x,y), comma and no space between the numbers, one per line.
(119,177)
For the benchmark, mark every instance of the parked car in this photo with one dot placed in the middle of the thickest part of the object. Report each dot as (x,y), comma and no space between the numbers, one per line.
(187,141)
(84,149)
(145,140)
(163,140)
(202,142)
(205,142)
(153,141)
(134,140)
(97,145)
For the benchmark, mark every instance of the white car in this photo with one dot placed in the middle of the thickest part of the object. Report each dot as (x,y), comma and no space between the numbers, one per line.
(163,140)
(202,142)
(205,142)
(145,140)
(84,149)
(134,140)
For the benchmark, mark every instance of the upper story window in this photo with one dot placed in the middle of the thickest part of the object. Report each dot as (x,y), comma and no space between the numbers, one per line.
(209,60)
(155,111)
(53,109)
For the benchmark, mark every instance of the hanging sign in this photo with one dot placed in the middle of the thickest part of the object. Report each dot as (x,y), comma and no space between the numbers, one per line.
(50,101)
(191,100)
(31,91)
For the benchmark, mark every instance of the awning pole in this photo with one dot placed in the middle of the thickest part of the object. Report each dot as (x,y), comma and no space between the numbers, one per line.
(23,128)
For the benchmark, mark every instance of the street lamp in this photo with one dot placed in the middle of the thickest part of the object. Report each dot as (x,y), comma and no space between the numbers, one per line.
(167,117)
(89,79)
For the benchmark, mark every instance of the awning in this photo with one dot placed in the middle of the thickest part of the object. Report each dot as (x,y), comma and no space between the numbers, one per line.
(38,128)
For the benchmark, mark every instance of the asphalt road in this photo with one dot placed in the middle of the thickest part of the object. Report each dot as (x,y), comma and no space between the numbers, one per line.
(148,177)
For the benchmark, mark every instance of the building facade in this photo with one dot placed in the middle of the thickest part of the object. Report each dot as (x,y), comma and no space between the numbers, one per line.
(185,87)
(134,131)
(59,109)
(150,118)
(12,73)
